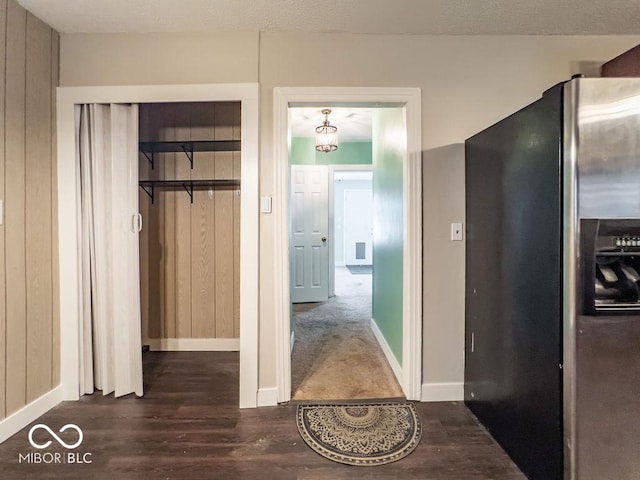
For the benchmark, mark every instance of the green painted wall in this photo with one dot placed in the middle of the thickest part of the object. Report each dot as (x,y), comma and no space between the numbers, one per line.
(303,152)
(389,149)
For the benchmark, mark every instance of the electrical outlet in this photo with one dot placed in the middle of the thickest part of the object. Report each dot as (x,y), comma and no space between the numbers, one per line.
(456,232)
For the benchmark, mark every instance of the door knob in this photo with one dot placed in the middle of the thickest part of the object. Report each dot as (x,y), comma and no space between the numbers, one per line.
(324,239)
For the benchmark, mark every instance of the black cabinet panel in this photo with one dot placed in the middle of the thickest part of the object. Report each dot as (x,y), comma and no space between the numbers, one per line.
(513,284)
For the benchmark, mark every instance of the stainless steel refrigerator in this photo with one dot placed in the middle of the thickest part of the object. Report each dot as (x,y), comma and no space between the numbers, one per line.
(552,347)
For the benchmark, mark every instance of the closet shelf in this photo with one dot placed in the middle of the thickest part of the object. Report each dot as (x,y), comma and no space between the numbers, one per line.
(149,149)
(189,186)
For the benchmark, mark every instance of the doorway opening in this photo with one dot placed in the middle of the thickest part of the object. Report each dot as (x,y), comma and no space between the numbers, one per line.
(408,339)
(338,350)
(189,197)
(350,225)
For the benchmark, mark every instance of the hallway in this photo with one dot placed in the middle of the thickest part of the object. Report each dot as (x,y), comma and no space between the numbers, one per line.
(335,354)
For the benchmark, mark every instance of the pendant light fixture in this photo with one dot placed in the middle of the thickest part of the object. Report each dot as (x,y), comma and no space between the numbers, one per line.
(326,135)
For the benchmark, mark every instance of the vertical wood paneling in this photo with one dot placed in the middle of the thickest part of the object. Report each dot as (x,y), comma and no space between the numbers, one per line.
(192,251)
(38,208)
(168,166)
(223,205)
(236,228)
(3,317)
(154,232)
(29,304)
(182,125)
(15,239)
(144,204)
(203,307)
(55,267)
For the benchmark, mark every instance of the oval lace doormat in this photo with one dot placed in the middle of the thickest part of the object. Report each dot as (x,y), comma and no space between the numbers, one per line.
(360,434)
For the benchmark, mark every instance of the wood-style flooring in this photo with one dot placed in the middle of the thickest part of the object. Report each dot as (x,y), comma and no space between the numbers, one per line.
(187,426)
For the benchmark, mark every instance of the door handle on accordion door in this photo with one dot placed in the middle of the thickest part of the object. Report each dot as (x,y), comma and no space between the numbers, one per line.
(136,224)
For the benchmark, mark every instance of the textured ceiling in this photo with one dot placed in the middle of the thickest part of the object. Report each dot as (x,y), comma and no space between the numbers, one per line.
(535,17)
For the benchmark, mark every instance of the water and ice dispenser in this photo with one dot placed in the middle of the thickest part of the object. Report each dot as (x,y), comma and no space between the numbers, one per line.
(611,266)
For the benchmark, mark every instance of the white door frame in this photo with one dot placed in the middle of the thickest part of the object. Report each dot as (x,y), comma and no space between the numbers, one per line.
(410,99)
(68,216)
(339,167)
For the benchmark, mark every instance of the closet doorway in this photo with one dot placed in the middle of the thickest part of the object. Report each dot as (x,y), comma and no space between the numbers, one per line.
(189,197)
(170,318)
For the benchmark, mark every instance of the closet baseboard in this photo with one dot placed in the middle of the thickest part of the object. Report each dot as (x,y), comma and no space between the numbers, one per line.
(27,414)
(193,344)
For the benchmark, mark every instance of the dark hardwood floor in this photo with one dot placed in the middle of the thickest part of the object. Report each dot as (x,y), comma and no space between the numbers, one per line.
(187,426)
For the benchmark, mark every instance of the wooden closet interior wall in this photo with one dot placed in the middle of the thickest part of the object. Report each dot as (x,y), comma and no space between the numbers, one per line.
(190,252)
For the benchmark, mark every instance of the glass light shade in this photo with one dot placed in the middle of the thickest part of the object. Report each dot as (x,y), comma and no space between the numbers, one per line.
(326,138)
(326,135)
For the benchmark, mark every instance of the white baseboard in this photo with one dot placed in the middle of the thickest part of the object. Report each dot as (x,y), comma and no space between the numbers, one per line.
(267,397)
(393,362)
(293,339)
(194,344)
(27,414)
(443,392)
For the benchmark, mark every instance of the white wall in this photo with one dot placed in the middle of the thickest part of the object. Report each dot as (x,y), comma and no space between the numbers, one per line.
(467,82)
(158,59)
(338,190)
(444,263)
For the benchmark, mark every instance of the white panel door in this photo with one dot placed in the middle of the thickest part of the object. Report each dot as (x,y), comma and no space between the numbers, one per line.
(358,227)
(309,252)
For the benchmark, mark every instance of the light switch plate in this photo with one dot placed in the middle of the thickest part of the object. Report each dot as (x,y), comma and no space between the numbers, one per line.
(265,204)
(456,231)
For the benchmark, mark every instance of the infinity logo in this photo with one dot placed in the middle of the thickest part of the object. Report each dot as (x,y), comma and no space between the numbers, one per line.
(58,439)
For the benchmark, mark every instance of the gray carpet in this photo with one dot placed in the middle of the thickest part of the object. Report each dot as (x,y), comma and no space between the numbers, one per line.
(335,355)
